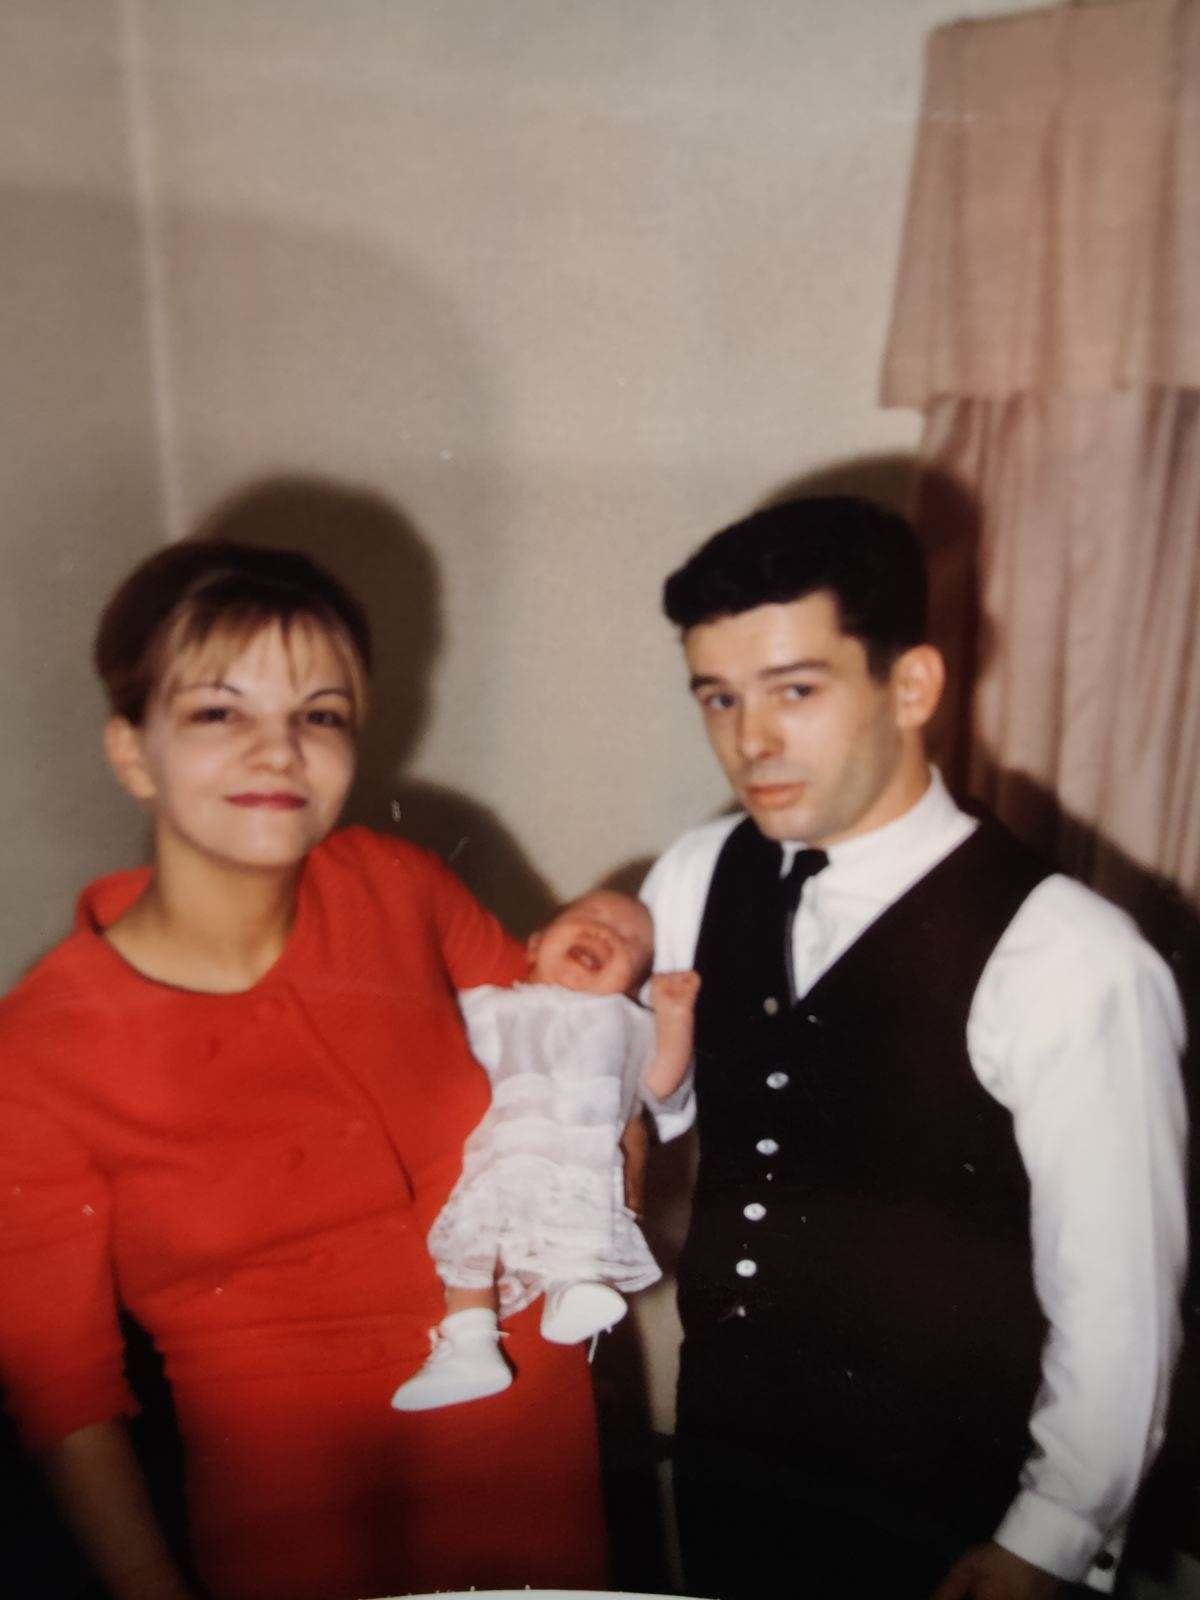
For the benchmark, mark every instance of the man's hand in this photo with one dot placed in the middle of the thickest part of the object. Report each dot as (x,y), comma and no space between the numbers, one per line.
(989,1572)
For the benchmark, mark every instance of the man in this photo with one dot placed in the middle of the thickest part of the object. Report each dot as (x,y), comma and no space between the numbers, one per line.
(929,1292)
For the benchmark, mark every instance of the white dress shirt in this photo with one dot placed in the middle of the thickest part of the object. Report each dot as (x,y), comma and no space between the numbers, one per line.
(1076,1029)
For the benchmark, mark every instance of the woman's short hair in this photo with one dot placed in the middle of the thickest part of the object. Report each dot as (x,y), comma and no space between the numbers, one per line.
(867,558)
(212,594)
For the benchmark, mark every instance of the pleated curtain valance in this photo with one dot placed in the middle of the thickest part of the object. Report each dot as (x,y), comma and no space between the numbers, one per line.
(1053,207)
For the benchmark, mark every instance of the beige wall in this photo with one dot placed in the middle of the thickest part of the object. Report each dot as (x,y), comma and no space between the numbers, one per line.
(77,446)
(558,285)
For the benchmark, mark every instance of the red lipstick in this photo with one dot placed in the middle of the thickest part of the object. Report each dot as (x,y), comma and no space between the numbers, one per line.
(269,802)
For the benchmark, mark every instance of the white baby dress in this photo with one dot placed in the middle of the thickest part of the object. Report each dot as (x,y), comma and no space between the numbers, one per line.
(542,1185)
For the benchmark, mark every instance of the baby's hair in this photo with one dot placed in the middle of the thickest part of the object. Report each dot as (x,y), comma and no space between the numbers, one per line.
(205,593)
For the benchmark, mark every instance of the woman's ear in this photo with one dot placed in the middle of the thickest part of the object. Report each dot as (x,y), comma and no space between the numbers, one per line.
(918,678)
(127,757)
(532,945)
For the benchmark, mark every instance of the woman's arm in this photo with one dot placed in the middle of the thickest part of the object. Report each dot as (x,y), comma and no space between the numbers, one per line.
(100,1488)
(474,946)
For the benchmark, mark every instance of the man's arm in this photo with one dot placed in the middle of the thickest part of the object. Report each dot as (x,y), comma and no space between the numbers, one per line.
(1077,1029)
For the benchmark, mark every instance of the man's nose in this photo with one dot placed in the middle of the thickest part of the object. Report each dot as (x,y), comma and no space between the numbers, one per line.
(755,733)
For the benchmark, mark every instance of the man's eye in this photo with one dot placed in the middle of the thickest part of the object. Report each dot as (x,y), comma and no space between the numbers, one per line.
(716,702)
(798,691)
(327,719)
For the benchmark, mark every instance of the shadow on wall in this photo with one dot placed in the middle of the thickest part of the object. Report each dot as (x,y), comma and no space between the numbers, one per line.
(374,549)
(80,507)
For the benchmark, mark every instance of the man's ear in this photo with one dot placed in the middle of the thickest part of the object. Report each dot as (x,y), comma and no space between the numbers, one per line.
(918,678)
(126,756)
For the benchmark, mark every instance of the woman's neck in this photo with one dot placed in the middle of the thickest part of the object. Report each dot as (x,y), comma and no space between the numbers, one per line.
(201,925)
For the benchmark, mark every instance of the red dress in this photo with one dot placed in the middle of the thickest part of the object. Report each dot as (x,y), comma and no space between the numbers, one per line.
(254,1175)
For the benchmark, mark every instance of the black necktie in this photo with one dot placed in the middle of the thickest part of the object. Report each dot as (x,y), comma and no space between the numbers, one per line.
(805,864)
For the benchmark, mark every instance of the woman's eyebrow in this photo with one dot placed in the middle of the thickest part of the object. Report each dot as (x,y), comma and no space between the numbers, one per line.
(204,683)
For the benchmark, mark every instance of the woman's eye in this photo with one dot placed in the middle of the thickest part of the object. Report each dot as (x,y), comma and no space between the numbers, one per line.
(717,702)
(327,719)
(798,691)
(210,714)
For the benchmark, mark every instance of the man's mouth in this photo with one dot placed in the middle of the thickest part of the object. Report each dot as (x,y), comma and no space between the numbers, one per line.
(772,796)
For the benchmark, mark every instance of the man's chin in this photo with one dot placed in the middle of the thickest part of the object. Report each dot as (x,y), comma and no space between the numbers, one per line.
(779,812)
(790,825)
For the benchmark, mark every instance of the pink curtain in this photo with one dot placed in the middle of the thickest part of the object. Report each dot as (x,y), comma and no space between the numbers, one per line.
(1047,322)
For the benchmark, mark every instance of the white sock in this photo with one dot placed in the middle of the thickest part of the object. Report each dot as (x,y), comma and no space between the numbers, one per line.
(473,1321)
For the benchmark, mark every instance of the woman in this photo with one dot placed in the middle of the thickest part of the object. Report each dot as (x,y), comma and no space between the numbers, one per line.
(233,1101)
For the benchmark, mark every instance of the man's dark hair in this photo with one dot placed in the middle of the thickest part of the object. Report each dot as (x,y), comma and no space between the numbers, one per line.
(867,558)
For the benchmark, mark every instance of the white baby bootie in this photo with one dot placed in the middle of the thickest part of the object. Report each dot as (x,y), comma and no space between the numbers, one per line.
(464,1364)
(574,1312)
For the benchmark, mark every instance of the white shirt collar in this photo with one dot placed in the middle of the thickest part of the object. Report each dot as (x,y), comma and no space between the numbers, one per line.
(886,860)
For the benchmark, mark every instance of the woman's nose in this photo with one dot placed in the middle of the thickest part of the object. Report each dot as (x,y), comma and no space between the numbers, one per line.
(277,745)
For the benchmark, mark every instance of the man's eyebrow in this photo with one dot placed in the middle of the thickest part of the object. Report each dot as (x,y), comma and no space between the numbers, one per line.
(805,664)
(702,680)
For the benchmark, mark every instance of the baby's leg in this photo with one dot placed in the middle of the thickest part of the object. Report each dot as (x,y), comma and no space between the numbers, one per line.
(471,1299)
(465,1362)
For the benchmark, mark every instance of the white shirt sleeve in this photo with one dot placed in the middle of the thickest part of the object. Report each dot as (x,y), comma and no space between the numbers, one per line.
(1077,1029)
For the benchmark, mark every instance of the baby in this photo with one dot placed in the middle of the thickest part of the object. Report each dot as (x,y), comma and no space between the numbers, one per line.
(539,1208)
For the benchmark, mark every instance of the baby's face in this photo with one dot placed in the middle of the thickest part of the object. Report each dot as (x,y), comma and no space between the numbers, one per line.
(601,944)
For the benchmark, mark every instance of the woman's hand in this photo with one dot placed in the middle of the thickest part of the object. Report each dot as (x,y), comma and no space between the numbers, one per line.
(99,1485)
(635,1146)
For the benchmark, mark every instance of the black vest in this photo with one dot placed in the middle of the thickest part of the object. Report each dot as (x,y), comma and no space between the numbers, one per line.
(856,1286)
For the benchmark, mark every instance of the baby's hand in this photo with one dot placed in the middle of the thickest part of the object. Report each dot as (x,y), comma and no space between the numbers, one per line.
(674,993)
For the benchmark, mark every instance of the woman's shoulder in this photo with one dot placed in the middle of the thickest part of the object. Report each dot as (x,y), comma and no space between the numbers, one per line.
(359,849)
(358,866)
(62,994)
(77,988)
